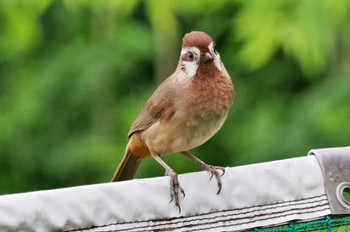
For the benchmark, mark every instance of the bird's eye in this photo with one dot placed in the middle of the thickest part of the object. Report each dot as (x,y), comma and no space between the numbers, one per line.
(215,52)
(189,56)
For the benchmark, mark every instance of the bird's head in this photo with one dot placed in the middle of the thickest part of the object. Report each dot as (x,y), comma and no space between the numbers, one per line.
(198,54)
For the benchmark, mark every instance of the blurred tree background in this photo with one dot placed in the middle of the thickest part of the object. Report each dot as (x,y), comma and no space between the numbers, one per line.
(75,73)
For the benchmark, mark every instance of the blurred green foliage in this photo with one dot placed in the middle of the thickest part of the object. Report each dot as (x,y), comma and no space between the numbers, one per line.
(75,73)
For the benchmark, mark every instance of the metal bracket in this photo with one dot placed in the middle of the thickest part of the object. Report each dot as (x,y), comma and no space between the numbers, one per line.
(335,165)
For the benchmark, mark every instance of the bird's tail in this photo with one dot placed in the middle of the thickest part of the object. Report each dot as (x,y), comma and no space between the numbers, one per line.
(127,167)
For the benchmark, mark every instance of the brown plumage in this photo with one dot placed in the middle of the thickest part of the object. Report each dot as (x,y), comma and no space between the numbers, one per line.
(197,39)
(185,111)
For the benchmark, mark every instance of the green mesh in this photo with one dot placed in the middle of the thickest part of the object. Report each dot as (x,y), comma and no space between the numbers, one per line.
(329,224)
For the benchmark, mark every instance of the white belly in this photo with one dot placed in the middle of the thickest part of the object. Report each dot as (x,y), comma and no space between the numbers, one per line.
(178,135)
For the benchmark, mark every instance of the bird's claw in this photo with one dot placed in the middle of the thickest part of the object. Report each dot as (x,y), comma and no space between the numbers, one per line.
(214,171)
(175,188)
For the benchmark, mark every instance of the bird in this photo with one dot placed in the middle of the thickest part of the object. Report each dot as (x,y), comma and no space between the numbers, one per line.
(185,111)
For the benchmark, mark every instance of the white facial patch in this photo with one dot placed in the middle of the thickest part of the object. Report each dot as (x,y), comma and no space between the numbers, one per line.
(190,67)
(216,56)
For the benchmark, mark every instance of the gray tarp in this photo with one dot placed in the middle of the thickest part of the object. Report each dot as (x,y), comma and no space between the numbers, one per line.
(252,196)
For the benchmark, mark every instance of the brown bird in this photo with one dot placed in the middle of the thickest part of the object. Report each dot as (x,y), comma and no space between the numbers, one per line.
(186,110)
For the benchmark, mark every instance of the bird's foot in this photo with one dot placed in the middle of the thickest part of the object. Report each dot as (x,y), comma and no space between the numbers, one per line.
(215,172)
(175,188)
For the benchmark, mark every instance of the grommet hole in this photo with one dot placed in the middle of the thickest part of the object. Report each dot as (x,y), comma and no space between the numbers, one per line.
(346,195)
(343,194)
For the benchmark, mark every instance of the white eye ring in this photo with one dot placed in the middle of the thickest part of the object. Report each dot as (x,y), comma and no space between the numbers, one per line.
(188,56)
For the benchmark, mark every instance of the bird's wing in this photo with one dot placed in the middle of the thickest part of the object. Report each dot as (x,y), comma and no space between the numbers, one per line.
(160,107)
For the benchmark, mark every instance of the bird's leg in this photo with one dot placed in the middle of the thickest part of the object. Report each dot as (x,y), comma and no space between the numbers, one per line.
(174,182)
(212,169)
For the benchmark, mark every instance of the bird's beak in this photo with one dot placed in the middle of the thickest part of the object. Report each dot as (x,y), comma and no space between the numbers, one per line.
(205,58)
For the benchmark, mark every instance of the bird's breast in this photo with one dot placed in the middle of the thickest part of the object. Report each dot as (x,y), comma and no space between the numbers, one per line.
(209,98)
(200,110)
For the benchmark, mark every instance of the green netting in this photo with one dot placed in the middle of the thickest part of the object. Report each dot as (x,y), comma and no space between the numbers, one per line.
(338,224)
